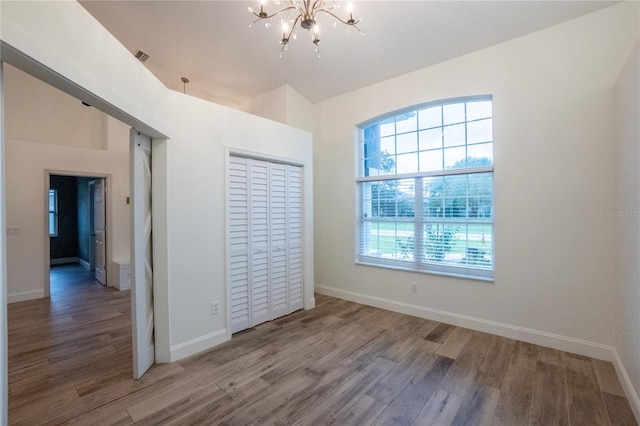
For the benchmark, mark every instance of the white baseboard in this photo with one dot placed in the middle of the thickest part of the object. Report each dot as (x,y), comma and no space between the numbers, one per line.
(311,303)
(550,340)
(197,345)
(625,380)
(86,265)
(25,295)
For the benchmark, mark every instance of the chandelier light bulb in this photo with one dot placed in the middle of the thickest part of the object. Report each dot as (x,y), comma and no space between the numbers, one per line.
(316,39)
(285,35)
(350,21)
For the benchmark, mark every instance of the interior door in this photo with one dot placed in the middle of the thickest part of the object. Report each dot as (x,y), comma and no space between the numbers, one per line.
(99,221)
(141,255)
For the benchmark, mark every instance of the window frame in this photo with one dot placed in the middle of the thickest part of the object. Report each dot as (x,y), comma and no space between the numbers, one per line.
(418,247)
(53,214)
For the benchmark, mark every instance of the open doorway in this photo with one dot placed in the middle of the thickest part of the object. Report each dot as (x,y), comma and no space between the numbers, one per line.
(28,157)
(76,225)
(89,150)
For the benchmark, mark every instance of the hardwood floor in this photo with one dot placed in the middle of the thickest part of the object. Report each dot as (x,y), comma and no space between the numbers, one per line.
(341,363)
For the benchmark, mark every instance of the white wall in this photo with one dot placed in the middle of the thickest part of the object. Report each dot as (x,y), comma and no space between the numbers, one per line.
(626,216)
(48,131)
(285,105)
(36,111)
(554,170)
(271,105)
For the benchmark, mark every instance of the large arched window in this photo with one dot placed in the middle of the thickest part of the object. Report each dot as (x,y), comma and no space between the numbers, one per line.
(426,188)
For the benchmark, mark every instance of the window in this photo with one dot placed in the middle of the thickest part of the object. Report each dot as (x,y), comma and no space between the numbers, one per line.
(426,189)
(53,213)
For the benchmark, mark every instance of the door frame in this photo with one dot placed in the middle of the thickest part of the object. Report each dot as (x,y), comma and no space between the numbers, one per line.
(47,248)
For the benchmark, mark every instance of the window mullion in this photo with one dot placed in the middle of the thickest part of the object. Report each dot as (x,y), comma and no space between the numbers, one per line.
(418,234)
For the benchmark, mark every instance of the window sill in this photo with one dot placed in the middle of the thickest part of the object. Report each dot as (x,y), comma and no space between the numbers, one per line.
(423,271)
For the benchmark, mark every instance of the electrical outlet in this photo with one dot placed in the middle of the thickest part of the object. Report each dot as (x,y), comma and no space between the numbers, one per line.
(414,288)
(215,308)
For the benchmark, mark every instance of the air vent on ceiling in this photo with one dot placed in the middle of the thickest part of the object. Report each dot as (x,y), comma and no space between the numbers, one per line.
(141,56)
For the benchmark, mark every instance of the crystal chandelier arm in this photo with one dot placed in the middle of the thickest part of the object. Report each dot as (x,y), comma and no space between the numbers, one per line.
(272,15)
(293,26)
(350,22)
(287,37)
(317,5)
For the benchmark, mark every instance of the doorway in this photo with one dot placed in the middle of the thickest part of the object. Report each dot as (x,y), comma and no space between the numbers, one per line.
(35,157)
(77,224)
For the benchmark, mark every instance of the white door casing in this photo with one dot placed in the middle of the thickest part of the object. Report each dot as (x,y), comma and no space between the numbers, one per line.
(142,320)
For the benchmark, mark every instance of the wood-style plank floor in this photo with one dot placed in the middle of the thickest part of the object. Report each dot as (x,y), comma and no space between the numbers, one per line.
(341,363)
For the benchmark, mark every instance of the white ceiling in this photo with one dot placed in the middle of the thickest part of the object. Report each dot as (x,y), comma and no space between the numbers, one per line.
(227,62)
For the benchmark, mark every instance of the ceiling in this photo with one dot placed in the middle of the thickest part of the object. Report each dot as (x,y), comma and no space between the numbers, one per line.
(211,44)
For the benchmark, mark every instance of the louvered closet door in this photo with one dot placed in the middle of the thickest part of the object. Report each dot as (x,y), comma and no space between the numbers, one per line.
(294,237)
(238,223)
(259,234)
(278,240)
(264,240)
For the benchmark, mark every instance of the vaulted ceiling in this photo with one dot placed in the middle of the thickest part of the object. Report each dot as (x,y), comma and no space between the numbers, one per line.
(211,44)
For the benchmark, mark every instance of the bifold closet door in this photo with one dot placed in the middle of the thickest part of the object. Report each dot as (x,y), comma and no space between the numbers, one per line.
(265,241)
(238,244)
(278,240)
(294,237)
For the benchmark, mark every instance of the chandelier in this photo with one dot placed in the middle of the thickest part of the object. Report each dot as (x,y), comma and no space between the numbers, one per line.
(304,12)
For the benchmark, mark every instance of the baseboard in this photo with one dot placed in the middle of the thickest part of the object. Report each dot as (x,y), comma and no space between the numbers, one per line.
(550,340)
(86,265)
(311,303)
(64,261)
(197,345)
(625,380)
(25,295)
